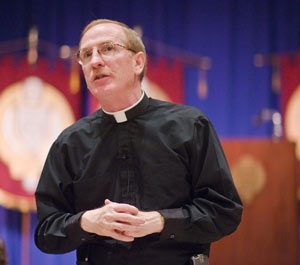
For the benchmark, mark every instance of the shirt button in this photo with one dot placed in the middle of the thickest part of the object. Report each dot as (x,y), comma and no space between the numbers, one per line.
(172,236)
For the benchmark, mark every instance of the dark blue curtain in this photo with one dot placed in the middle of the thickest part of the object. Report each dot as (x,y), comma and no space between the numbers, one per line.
(229,32)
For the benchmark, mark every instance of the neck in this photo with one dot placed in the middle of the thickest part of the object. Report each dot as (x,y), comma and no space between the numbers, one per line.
(121,101)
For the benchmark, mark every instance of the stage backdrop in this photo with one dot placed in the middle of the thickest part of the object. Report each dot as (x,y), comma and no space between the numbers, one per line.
(36,103)
(228,34)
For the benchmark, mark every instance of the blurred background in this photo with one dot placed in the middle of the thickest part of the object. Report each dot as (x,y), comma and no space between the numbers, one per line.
(236,60)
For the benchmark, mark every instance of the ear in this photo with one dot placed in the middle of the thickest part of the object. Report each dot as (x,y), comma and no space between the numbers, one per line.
(139,62)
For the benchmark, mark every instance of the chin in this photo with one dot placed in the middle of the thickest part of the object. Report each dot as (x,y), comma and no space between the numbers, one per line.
(99,92)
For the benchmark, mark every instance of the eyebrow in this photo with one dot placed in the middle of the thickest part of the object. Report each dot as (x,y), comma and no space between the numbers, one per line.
(100,43)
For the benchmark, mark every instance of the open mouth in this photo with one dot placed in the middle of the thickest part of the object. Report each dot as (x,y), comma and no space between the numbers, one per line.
(99,76)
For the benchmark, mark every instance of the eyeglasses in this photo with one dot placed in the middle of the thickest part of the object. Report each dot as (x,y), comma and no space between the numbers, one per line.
(106,50)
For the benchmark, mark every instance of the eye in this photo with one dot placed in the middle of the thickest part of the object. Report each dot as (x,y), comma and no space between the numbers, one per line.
(85,54)
(107,48)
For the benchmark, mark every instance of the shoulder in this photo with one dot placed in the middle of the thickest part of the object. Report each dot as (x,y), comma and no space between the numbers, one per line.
(79,129)
(177,111)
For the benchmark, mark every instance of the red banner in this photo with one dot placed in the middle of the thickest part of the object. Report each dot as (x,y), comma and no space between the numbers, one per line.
(164,81)
(36,104)
(167,79)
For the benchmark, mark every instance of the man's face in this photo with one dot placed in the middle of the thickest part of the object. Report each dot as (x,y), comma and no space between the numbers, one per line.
(108,75)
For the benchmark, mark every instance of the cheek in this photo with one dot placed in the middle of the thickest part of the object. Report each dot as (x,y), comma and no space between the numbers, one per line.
(85,72)
(121,65)
(125,70)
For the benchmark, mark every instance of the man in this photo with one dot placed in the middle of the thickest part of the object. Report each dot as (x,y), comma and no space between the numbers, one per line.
(140,181)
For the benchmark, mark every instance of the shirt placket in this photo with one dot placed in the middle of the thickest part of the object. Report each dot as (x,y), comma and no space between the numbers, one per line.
(127,172)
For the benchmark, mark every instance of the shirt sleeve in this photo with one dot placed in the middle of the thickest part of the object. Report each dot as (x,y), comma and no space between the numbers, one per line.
(59,228)
(215,209)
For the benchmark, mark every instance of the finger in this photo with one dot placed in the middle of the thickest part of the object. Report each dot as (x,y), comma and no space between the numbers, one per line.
(107,201)
(120,236)
(113,216)
(122,207)
(126,208)
(127,218)
(124,227)
(130,234)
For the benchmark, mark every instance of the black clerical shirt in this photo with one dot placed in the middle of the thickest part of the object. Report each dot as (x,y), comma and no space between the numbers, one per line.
(163,157)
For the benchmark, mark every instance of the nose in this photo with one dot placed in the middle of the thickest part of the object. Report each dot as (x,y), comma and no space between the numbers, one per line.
(96,59)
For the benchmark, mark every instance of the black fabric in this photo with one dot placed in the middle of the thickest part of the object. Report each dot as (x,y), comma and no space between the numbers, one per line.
(165,158)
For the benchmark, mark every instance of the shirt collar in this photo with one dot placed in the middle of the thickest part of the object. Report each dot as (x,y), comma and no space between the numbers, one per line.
(130,112)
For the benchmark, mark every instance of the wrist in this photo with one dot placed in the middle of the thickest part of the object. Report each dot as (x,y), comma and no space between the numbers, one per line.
(85,222)
(161,222)
(82,222)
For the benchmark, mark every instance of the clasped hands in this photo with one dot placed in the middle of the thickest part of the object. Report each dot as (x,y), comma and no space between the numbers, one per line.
(121,221)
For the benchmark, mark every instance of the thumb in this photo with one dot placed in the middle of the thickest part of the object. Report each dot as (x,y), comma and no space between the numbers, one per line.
(107,201)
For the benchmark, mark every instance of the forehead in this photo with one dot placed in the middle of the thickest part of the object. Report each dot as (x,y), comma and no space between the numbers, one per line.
(102,33)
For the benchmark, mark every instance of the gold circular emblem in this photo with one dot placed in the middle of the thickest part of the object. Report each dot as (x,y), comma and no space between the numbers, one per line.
(249,177)
(292,120)
(32,114)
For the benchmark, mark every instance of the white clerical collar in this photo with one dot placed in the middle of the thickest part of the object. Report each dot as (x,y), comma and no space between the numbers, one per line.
(120,116)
